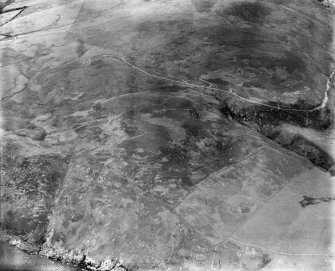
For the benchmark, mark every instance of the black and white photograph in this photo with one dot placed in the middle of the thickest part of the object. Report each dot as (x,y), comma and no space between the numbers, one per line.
(167,135)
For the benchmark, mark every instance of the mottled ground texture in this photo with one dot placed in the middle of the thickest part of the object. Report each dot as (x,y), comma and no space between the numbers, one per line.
(169,134)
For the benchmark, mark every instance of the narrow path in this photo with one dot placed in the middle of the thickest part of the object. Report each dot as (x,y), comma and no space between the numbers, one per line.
(287,185)
(230,92)
(322,105)
(280,252)
(210,84)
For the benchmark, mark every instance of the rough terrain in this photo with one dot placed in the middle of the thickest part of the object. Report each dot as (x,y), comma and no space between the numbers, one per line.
(169,135)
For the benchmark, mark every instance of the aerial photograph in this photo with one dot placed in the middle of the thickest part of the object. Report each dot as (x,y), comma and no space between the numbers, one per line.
(167,135)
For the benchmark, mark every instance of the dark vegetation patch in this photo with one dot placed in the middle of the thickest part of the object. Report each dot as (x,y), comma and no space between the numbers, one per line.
(194,128)
(266,120)
(177,165)
(263,115)
(289,61)
(313,201)
(197,113)
(250,12)
(244,48)
(164,87)
(326,3)
(98,111)
(218,82)
(307,149)
(28,187)
(234,36)
(266,259)
(176,103)
(203,5)
(182,162)
(130,130)
(5,4)
(81,49)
